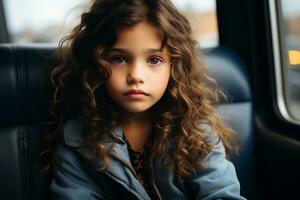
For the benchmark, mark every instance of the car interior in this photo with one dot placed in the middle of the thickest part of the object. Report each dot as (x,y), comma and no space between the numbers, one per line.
(269,161)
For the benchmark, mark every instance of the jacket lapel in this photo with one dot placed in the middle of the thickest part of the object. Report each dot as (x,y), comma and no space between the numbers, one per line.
(119,168)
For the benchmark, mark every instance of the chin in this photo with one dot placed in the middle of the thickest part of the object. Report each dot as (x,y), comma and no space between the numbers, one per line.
(137,109)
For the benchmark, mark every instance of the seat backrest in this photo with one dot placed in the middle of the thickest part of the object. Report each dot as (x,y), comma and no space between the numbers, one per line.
(24,103)
(25,98)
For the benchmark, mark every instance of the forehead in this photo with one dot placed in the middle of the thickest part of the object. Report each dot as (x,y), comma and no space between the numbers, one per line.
(143,34)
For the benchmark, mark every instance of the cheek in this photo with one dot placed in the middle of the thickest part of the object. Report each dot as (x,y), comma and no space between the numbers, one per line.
(113,83)
(161,81)
(117,75)
(108,85)
(166,75)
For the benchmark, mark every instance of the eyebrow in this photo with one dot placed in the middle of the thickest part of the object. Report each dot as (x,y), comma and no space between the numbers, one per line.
(150,50)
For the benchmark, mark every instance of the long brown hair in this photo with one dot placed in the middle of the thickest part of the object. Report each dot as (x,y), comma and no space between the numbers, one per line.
(188,102)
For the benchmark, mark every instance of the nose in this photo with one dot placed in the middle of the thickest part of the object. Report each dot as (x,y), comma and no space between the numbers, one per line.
(135,74)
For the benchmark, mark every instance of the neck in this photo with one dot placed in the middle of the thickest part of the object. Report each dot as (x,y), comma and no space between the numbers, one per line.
(137,129)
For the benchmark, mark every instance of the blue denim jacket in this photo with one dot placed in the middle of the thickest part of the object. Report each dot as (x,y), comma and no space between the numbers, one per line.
(76,177)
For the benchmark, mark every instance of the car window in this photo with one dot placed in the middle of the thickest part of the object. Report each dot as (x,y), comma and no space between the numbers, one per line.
(285,17)
(40,21)
(203,19)
(48,20)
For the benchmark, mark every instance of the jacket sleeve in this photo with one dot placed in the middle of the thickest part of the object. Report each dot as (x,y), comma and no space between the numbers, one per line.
(70,181)
(217,179)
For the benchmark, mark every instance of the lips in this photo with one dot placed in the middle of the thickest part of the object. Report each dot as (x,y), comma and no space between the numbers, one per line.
(134,91)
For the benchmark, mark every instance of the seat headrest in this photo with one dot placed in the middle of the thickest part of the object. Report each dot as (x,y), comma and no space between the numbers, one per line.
(230,72)
(24,88)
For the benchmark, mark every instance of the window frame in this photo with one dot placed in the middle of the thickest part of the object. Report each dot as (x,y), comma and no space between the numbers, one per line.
(4,35)
(276,37)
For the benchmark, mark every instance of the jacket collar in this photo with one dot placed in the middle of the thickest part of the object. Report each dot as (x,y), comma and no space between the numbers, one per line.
(73,134)
(74,137)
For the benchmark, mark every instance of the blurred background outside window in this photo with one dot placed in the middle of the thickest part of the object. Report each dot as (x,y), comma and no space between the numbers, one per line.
(289,23)
(47,21)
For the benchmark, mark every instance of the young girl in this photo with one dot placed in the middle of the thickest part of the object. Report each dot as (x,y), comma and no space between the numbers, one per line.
(135,118)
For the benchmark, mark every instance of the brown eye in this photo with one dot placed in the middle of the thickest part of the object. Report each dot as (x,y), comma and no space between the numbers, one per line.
(155,60)
(118,60)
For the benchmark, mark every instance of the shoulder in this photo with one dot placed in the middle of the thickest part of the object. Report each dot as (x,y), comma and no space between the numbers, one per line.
(68,142)
(72,142)
(72,154)
(211,137)
(217,154)
(69,139)
(74,134)
(217,179)
(72,179)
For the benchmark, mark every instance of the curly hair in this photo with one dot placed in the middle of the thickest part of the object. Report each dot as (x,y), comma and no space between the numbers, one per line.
(189,100)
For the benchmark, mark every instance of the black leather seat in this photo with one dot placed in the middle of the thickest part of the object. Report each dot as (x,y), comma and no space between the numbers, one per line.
(24,103)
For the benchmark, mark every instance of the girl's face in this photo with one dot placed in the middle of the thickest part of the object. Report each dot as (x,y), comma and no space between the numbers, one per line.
(140,68)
